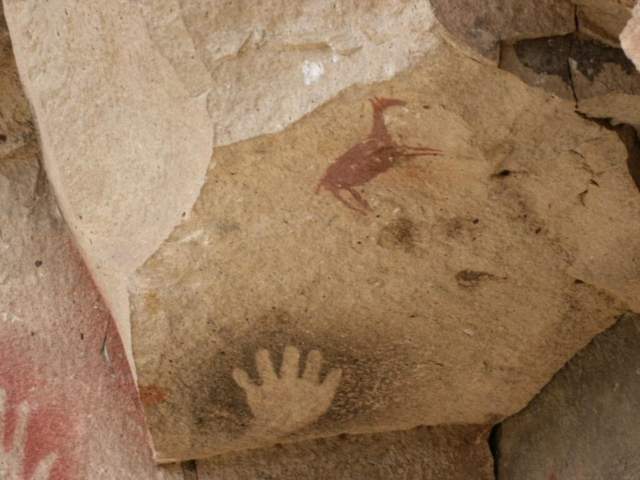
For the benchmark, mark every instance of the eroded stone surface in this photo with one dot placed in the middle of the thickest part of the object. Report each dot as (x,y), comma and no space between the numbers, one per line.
(269,63)
(412,251)
(603,19)
(483,25)
(453,298)
(131,96)
(582,424)
(452,453)
(68,404)
(598,77)
(542,63)
(605,83)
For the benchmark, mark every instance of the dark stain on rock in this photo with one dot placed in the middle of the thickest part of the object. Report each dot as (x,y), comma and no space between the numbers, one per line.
(548,56)
(370,367)
(472,278)
(3,138)
(400,233)
(367,159)
(629,137)
(591,56)
(189,470)
(503,173)
(152,395)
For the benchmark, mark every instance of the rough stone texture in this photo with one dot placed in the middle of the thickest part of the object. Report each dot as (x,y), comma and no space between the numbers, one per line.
(422,238)
(183,75)
(600,78)
(61,357)
(603,19)
(630,37)
(605,82)
(582,425)
(63,372)
(483,25)
(451,453)
(453,298)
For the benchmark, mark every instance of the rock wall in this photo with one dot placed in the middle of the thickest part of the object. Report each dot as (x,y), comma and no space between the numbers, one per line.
(311,219)
(69,409)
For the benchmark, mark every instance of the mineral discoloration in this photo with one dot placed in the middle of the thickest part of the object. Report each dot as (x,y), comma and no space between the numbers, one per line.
(371,291)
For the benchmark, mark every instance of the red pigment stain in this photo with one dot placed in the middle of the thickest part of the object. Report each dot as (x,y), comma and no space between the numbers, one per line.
(49,429)
(374,155)
(152,395)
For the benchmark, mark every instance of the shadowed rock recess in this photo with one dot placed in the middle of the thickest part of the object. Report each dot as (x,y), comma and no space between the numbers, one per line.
(312,219)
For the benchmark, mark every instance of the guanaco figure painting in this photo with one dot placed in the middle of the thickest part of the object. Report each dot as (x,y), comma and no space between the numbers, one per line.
(367,159)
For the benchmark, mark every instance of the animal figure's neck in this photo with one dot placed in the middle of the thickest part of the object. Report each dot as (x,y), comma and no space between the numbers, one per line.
(379,129)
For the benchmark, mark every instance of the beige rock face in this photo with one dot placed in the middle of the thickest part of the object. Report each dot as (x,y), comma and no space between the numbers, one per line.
(64,374)
(68,406)
(118,131)
(130,98)
(603,19)
(630,37)
(299,54)
(440,289)
(326,218)
(452,453)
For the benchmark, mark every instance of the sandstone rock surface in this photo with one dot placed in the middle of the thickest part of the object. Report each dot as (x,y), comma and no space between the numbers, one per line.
(128,124)
(630,37)
(451,295)
(451,453)
(63,370)
(603,19)
(321,232)
(582,424)
(68,404)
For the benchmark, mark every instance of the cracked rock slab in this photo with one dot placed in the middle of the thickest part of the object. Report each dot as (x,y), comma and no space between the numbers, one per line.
(412,252)
(581,425)
(600,78)
(483,25)
(130,98)
(605,82)
(63,371)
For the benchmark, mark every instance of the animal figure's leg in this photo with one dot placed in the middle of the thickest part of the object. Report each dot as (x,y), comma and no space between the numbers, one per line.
(433,151)
(418,154)
(336,193)
(358,198)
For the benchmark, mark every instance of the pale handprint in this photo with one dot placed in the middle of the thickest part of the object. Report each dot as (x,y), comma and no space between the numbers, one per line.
(286,403)
(12,459)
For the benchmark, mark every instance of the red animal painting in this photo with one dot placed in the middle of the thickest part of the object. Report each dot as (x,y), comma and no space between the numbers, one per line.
(374,155)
